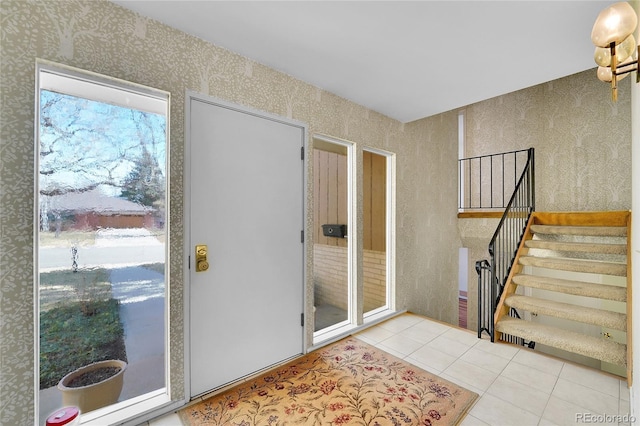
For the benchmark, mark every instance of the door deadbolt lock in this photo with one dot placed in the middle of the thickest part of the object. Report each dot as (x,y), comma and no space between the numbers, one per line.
(202,264)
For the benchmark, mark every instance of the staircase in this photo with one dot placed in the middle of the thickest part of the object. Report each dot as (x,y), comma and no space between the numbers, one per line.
(572,270)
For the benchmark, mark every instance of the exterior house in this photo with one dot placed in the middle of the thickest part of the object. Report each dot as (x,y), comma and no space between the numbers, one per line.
(587,151)
(92,210)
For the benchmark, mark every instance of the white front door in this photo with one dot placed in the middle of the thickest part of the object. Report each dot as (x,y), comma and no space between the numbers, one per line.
(245,182)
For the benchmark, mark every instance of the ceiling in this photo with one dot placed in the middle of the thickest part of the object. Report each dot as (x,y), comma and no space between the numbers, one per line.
(405,59)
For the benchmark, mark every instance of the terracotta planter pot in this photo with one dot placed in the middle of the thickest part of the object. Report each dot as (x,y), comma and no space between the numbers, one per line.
(97,395)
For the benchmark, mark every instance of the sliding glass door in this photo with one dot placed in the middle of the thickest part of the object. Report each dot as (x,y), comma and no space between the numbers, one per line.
(331,267)
(374,242)
(348,292)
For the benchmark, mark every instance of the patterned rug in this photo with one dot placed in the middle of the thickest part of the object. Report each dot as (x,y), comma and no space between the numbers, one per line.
(346,383)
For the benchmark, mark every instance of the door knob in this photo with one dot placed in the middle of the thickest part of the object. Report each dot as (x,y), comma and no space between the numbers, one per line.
(202,264)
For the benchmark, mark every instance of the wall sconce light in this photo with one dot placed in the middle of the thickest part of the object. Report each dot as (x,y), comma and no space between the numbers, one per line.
(613,36)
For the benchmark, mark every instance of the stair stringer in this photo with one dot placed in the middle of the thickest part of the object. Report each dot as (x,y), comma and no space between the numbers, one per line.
(510,287)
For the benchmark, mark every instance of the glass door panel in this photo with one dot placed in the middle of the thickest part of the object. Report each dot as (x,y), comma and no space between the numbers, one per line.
(331,278)
(374,266)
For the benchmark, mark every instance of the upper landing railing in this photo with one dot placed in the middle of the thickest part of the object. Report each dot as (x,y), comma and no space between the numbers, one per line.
(488,181)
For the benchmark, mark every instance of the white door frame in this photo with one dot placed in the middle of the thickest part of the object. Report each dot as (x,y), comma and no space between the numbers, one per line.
(352,242)
(390,232)
(189,95)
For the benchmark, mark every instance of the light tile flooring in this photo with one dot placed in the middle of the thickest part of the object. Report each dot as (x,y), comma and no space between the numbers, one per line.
(516,386)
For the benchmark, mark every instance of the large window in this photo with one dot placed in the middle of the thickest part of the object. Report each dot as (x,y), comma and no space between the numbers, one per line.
(101,200)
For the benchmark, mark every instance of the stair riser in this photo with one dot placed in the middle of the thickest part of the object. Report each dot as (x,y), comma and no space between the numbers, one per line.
(575,288)
(586,231)
(605,249)
(619,270)
(608,319)
(603,350)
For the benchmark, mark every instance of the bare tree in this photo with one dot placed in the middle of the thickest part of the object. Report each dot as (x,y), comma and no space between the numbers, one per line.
(86,144)
(79,150)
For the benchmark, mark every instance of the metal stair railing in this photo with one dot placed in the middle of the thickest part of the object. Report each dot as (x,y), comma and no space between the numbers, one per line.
(493,272)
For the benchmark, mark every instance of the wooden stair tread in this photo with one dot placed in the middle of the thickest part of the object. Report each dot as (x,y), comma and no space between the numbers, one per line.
(576,265)
(577,247)
(583,314)
(578,288)
(593,347)
(596,231)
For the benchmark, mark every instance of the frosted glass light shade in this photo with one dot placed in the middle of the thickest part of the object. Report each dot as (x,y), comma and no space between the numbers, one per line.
(614,24)
(605,74)
(602,56)
(624,50)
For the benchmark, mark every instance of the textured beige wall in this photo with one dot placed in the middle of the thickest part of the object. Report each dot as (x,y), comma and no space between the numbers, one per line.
(427,182)
(582,140)
(104,38)
(582,144)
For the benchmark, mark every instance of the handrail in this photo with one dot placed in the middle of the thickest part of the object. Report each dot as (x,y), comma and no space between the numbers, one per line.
(492,273)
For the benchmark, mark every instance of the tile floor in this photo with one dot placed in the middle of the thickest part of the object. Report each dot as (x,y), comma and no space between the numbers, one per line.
(517,386)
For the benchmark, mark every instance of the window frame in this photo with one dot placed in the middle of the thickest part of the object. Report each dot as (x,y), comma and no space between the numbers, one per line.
(151,404)
(390,206)
(358,319)
(352,244)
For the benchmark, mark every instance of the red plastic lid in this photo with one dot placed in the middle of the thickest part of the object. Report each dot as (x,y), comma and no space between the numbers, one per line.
(63,416)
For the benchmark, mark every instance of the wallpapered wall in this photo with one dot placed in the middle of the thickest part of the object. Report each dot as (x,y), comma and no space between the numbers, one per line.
(582,140)
(104,38)
(582,144)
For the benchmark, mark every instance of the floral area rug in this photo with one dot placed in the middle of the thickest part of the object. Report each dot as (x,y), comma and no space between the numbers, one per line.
(346,383)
